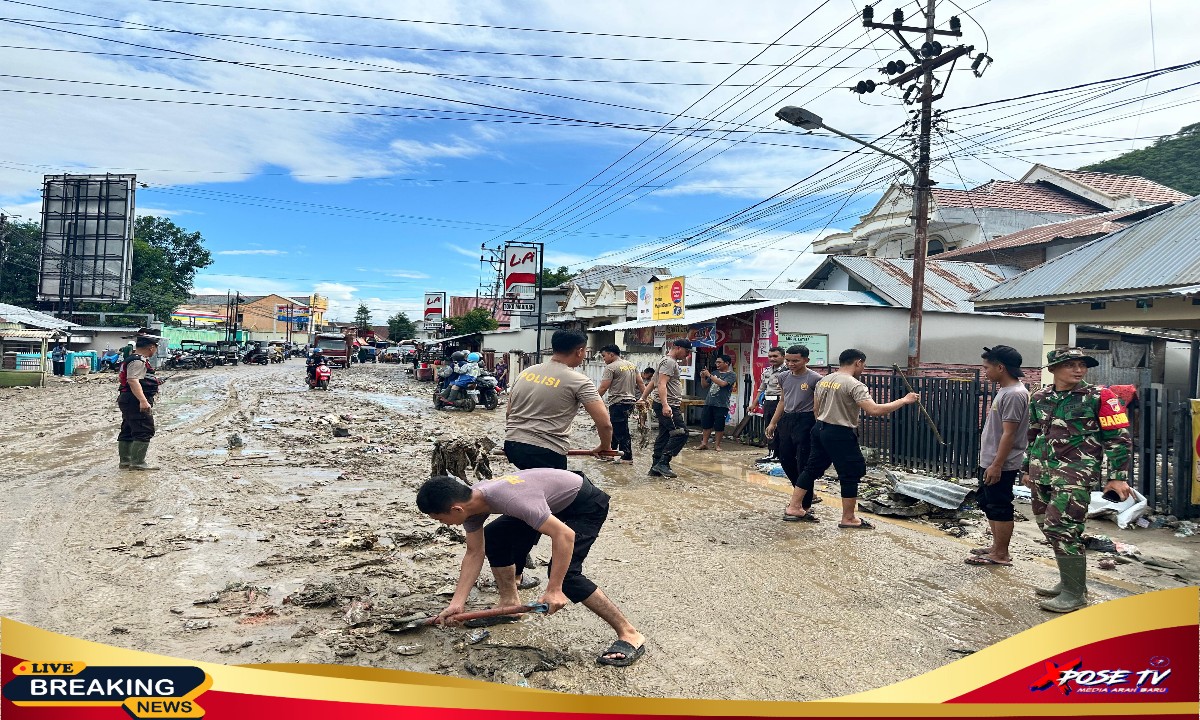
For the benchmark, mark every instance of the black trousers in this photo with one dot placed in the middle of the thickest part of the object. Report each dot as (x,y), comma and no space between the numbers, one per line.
(60,367)
(666,445)
(507,540)
(996,501)
(794,435)
(621,440)
(526,456)
(135,424)
(835,445)
(768,407)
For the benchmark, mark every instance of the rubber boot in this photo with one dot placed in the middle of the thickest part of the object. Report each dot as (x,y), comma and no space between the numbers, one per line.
(1073,571)
(124,451)
(137,455)
(654,462)
(1058,587)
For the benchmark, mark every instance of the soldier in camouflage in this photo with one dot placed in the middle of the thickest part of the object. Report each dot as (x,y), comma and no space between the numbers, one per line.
(1073,425)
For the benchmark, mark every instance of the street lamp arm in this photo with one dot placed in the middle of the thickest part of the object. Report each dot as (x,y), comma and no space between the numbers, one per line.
(907,163)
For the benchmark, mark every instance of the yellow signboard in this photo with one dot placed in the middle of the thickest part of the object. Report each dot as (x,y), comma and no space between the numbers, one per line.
(668,299)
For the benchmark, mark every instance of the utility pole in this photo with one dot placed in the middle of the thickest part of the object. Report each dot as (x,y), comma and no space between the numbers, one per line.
(927,58)
(3,246)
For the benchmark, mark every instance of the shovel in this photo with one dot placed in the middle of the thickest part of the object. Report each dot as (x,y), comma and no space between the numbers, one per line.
(463,617)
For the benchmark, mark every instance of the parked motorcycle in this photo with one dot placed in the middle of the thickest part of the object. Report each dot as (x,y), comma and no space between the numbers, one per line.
(180,360)
(110,360)
(483,391)
(319,379)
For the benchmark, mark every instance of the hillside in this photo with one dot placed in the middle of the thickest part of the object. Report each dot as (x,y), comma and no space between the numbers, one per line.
(1173,161)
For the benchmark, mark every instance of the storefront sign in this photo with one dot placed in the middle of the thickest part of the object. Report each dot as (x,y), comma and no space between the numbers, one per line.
(645,302)
(522,263)
(668,299)
(435,308)
(818,346)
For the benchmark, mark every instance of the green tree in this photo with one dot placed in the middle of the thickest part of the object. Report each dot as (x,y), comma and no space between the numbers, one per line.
(554,278)
(165,260)
(1173,161)
(478,320)
(362,318)
(400,327)
(20,245)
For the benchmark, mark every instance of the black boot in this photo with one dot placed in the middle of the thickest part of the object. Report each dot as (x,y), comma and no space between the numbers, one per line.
(654,463)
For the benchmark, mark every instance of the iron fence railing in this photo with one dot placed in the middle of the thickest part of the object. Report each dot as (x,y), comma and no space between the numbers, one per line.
(1162,461)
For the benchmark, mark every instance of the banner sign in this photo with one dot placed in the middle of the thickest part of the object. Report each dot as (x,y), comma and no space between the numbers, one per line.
(818,346)
(435,308)
(706,335)
(522,264)
(1132,657)
(1196,452)
(668,299)
(645,302)
(292,313)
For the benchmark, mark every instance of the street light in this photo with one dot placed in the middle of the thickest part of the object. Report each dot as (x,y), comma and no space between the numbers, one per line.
(802,118)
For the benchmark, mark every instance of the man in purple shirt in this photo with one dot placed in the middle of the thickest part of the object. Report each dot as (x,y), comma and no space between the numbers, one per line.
(531,503)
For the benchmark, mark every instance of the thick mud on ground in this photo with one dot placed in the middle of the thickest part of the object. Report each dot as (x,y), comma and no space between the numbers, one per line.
(265,538)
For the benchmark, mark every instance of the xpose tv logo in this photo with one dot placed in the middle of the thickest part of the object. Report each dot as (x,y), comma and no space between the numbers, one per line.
(1073,678)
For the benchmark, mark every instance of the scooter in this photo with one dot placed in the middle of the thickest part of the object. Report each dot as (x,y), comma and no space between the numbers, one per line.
(255,356)
(181,360)
(319,379)
(110,360)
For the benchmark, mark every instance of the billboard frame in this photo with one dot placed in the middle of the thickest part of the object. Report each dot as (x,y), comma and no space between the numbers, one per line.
(86,252)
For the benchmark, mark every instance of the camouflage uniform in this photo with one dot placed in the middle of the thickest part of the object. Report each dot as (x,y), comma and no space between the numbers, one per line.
(1070,432)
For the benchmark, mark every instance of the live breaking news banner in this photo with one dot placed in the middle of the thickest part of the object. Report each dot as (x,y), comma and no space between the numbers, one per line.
(1135,657)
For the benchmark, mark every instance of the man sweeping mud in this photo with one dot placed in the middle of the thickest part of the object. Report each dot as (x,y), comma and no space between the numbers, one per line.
(543,501)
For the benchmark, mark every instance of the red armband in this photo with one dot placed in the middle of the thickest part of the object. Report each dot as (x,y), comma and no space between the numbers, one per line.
(1112,412)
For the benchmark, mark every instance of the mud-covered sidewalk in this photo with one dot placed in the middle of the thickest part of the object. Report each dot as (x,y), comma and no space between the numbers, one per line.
(265,538)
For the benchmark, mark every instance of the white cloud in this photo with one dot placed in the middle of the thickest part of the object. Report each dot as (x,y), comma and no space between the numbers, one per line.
(461,250)
(252,252)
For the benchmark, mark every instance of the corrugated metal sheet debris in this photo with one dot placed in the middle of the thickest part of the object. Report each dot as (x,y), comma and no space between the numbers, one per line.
(939,493)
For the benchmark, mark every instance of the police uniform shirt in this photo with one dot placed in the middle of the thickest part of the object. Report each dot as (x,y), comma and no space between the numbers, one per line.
(542,403)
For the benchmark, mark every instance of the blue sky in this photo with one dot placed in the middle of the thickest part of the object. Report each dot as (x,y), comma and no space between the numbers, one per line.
(362,201)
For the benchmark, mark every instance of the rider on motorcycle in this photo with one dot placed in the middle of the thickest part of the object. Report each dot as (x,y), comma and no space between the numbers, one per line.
(317,358)
(462,371)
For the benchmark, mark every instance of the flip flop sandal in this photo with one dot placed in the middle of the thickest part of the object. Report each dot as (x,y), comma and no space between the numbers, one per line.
(985,560)
(980,551)
(805,518)
(630,652)
(528,582)
(862,525)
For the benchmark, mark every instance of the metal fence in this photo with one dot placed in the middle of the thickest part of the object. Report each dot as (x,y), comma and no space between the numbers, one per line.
(1162,459)
(958,405)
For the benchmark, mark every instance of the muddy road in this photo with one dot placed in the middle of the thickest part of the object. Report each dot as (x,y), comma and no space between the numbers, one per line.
(294,545)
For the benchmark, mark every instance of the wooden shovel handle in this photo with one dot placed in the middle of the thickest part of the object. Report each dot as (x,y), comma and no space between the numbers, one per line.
(493,612)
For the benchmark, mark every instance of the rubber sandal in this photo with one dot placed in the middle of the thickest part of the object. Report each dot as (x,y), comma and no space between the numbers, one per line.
(985,560)
(980,551)
(863,524)
(806,518)
(630,652)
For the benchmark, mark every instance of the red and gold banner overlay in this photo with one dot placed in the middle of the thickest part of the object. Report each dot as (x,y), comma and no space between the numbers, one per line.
(1137,657)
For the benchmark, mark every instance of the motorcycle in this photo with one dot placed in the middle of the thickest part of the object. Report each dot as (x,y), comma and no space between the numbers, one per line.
(181,360)
(465,402)
(110,360)
(319,379)
(483,391)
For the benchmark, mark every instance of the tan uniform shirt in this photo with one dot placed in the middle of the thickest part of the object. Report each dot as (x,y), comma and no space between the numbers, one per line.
(542,403)
(622,377)
(668,368)
(837,398)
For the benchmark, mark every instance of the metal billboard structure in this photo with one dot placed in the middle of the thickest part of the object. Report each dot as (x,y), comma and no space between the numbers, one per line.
(87,239)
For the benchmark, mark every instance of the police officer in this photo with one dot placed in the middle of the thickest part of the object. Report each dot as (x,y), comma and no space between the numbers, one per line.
(138,387)
(1073,425)
(543,401)
(768,397)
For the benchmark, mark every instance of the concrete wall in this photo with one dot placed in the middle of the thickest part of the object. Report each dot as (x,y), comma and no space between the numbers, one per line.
(882,333)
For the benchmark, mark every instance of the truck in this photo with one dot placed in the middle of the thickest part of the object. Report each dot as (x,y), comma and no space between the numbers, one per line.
(336,348)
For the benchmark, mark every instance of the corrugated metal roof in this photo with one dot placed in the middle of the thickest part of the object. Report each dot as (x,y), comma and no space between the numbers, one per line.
(703,290)
(1161,252)
(25,316)
(948,285)
(1098,224)
(841,297)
